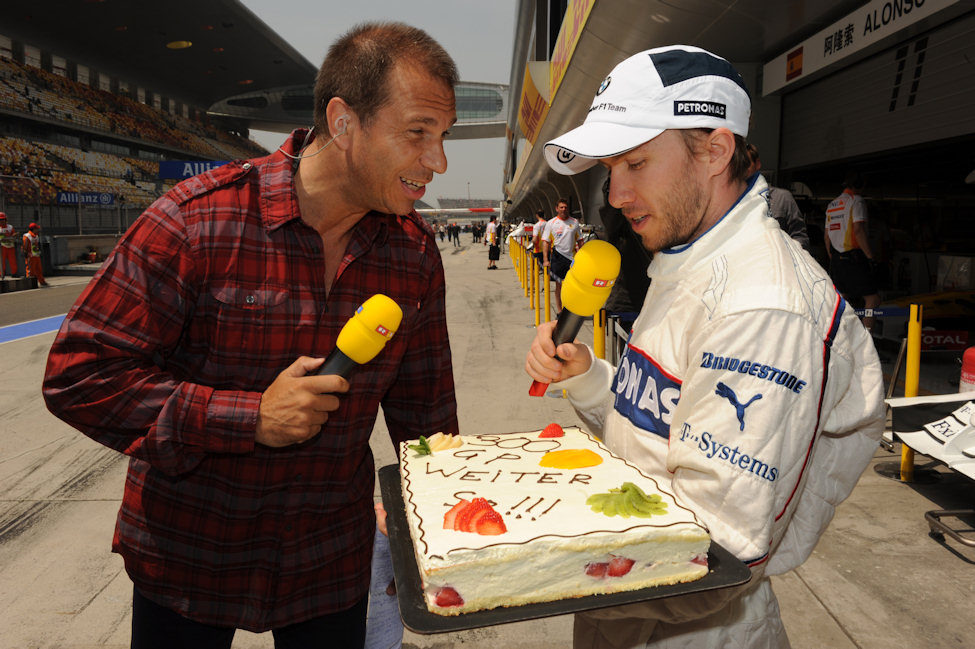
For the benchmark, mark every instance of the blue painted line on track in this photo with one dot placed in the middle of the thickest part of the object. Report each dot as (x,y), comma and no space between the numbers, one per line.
(32,328)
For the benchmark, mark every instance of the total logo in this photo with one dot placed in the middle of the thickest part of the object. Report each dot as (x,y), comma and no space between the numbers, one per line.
(383,331)
(602,283)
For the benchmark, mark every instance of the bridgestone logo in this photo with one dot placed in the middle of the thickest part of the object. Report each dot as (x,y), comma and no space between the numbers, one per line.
(711,108)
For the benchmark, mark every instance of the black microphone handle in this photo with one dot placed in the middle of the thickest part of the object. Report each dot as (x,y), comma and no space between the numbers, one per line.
(567,327)
(337,363)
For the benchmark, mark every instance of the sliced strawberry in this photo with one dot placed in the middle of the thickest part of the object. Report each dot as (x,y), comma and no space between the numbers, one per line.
(478,515)
(619,566)
(597,570)
(460,511)
(700,559)
(451,515)
(552,430)
(464,516)
(491,524)
(447,596)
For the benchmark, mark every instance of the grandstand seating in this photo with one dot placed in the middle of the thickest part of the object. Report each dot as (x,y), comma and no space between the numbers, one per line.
(22,159)
(58,167)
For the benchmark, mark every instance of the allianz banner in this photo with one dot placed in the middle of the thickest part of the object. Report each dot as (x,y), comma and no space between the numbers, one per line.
(86,198)
(187,168)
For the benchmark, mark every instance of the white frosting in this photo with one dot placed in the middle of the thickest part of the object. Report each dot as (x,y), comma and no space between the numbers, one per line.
(551,533)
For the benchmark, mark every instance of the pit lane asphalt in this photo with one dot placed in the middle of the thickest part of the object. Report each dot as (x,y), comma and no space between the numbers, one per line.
(875,580)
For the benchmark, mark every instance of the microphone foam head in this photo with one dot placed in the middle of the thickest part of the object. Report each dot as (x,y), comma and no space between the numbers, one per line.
(590,279)
(368,331)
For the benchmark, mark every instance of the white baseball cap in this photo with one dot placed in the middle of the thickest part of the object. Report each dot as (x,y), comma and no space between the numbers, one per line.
(674,87)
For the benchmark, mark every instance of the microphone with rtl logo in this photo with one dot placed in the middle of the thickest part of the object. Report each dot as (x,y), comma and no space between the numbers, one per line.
(585,290)
(363,336)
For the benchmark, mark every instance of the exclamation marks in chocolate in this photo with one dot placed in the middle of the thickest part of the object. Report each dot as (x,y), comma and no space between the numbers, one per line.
(528,510)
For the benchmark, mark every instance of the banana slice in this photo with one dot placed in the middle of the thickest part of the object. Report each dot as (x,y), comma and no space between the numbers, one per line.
(441,442)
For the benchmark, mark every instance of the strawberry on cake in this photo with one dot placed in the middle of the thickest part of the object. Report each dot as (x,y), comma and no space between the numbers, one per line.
(519,518)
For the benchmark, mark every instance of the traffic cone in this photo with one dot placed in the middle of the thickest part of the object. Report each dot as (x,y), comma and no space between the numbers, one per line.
(967,382)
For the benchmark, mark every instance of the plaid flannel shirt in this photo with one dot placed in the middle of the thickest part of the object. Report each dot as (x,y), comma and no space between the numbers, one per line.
(216,289)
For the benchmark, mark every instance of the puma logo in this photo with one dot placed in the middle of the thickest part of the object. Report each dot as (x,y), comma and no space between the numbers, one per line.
(729,394)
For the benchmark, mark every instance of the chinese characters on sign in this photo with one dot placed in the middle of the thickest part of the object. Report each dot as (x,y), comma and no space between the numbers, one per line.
(533,108)
(837,40)
(531,117)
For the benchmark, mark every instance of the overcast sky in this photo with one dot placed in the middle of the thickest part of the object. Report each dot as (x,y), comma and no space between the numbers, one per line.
(478,34)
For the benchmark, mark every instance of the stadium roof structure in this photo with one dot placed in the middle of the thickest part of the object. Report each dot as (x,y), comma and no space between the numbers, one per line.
(482,109)
(216,55)
(230,49)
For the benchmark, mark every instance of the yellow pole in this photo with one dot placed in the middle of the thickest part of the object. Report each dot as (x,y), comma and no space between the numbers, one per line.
(521,279)
(521,264)
(524,263)
(599,334)
(514,257)
(537,297)
(513,251)
(532,281)
(548,296)
(912,374)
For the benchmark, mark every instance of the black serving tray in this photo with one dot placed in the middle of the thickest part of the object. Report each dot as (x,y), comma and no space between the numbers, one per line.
(724,570)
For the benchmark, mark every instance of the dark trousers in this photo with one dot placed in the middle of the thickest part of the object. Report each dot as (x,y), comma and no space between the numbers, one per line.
(157,627)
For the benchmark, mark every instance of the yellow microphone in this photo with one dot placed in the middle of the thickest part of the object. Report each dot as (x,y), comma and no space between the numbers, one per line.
(363,336)
(585,290)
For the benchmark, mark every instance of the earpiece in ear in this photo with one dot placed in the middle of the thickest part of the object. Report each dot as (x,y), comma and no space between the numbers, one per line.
(341,125)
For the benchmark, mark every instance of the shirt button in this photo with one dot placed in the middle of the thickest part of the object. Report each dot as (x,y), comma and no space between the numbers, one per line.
(298,476)
(250,299)
(245,166)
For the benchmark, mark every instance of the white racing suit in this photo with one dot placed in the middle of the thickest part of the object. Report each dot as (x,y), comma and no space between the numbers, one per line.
(751,387)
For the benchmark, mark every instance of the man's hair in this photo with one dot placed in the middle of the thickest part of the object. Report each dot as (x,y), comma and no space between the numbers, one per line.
(741,161)
(562,200)
(854,180)
(752,152)
(540,214)
(358,65)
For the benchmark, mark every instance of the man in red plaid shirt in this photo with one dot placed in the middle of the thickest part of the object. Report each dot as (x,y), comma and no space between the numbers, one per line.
(249,496)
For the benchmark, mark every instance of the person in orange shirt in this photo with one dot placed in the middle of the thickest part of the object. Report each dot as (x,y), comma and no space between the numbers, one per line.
(8,254)
(32,253)
(850,257)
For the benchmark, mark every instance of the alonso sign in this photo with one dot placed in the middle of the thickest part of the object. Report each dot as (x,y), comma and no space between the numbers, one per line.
(864,27)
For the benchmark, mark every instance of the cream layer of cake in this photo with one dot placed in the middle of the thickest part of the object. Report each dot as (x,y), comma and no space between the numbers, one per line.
(555,546)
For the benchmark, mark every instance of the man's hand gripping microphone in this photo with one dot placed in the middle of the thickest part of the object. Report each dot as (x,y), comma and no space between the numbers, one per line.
(585,290)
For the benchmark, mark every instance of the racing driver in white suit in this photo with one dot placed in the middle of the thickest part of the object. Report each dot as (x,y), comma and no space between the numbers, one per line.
(748,383)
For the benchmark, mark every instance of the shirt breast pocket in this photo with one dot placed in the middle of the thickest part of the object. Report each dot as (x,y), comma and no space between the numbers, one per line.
(245,319)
